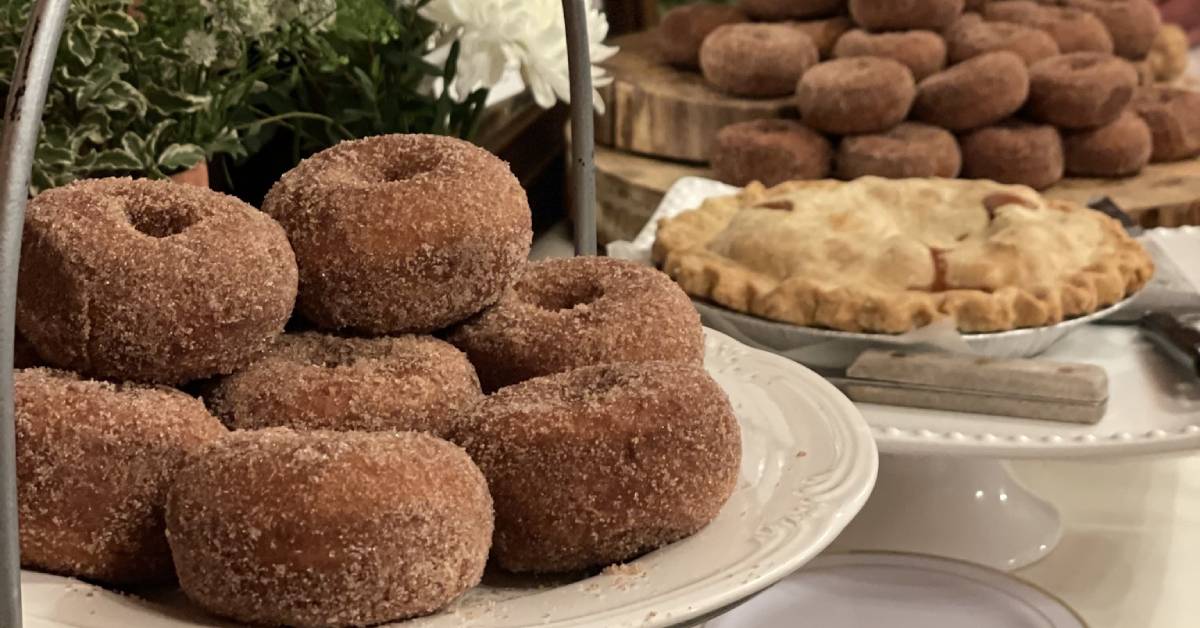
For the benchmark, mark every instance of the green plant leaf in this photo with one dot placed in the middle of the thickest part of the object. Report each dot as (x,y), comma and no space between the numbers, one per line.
(118,22)
(180,157)
(176,102)
(80,49)
(117,160)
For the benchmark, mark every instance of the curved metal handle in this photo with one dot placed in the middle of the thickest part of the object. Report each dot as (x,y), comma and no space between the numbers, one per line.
(583,134)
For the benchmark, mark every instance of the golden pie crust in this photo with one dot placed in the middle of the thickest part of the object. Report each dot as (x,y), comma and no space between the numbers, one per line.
(891,255)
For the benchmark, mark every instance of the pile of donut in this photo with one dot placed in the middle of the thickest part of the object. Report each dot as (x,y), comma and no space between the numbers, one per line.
(1016,91)
(346,466)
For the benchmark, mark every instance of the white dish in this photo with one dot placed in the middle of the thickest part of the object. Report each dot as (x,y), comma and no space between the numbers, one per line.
(809,464)
(900,591)
(1153,407)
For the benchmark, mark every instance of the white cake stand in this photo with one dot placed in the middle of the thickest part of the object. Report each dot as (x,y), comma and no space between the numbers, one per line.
(942,487)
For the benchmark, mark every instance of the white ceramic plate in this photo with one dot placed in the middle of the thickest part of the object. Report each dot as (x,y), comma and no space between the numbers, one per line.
(808,465)
(900,591)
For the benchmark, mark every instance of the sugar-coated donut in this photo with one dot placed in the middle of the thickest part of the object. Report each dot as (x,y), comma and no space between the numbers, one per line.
(600,464)
(824,33)
(150,280)
(1015,153)
(970,36)
(900,15)
(314,381)
(568,313)
(911,149)
(1080,90)
(774,10)
(322,529)
(1174,121)
(402,233)
(94,463)
(1074,30)
(1133,24)
(771,152)
(684,28)
(1120,148)
(977,92)
(855,95)
(756,60)
(924,52)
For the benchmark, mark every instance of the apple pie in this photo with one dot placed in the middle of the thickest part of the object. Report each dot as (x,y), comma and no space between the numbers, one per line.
(888,256)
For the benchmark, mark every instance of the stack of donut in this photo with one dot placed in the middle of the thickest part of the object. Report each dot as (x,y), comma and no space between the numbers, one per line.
(603,437)
(1015,91)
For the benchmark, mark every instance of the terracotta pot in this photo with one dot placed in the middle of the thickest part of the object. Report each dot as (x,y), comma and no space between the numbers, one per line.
(196,175)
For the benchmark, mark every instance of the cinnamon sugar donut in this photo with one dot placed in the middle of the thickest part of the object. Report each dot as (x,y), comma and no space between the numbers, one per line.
(264,530)
(402,233)
(1074,30)
(1080,90)
(568,313)
(774,10)
(855,95)
(901,15)
(1014,152)
(1133,24)
(977,92)
(770,151)
(1118,149)
(684,28)
(911,149)
(824,33)
(94,463)
(924,52)
(150,280)
(1173,116)
(600,464)
(756,60)
(312,381)
(970,37)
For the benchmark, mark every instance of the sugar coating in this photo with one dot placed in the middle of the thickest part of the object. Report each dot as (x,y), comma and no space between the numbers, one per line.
(94,462)
(770,152)
(891,15)
(1170,112)
(1014,152)
(402,233)
(757,60)
(317,381)
(924,52)
(567,313)
(971,36)
(150,280)
(1133,24)
(1118,149)
(980,91)
(1074,30)
(321,529)
(1080,90)
(910,149)
(683,29)
(855,95)
(600,464)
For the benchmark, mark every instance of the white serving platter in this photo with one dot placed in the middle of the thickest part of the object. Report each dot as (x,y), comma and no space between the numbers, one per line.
(809,463)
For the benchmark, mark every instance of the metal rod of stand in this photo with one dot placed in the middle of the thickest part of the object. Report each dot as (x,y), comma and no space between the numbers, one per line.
(22,122)
(583,148)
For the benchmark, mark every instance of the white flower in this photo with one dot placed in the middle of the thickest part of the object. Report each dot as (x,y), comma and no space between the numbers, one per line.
(527,33)
(201,47)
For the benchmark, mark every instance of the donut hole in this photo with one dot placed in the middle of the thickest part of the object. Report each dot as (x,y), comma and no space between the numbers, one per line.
(560,299)
(400,170)
(161,222)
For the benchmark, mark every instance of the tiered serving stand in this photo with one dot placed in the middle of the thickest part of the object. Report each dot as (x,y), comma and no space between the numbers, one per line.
(809,461)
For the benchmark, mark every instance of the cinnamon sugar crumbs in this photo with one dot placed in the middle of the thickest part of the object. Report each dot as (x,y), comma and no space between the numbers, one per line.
(402,233)
(567,313)
(316,381)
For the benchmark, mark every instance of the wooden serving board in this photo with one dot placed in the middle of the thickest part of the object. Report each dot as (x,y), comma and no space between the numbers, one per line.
(629,188)
(656,109)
